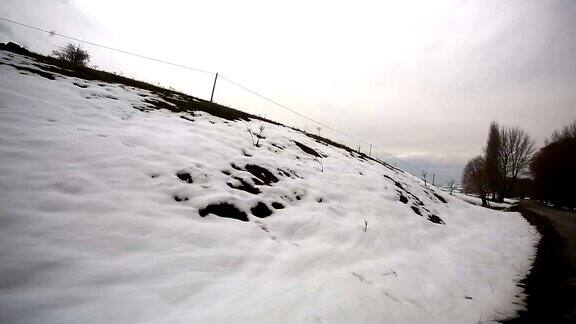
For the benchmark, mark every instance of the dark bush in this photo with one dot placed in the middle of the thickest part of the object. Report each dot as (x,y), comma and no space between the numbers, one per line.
(474,178)
(554,170)
(73,54)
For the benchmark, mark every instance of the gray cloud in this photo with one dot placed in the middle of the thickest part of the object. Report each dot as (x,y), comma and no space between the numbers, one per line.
(6,32)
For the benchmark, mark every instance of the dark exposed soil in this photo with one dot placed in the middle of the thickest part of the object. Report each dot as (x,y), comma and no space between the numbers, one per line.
(402,189)
(41,73)
(417,202)
(244,186)
(277,205)
(416,210)
(440,198)
(84,86)
(261,173)
(288,174)
(261,210)
(307,149)
(187,118)
(185,176)
(224,210)
(435,219)
(403,199)
(278,146)
(235,167)
(396,183)
(284,173)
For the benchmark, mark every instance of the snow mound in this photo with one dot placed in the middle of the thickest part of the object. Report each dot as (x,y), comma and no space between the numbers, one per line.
(114,211)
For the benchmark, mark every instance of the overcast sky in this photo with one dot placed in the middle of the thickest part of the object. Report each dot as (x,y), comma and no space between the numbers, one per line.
(420,79)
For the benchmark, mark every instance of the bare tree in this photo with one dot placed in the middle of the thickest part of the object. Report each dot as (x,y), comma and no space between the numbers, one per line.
(423,173)
(492,155)
(517,150)
(474,178)
(260,131)
(565,133)
(451,186)
(72,53)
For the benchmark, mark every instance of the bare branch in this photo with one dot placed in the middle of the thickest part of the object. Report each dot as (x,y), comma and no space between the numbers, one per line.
(423,173)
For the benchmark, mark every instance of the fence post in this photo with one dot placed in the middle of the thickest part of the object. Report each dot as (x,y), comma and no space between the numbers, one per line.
(214,87)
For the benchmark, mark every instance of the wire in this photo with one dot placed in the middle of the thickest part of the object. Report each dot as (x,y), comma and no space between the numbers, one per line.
(310,119)
(53,33)
(323,124)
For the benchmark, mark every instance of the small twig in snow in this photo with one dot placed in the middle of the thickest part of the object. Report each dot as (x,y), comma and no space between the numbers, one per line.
(393,272)
(252,135)
(259,136)
(321,166)
(250,132)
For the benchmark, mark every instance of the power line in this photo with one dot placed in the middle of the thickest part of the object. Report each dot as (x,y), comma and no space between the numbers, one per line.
(306,117)
(53,33)
(323,124)
(291,110)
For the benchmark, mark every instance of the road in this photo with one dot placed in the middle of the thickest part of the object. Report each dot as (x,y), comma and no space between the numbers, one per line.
(551,284)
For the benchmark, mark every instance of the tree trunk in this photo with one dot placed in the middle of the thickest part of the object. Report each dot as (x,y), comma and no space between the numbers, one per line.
(510,187)
(501,195)
(484,200)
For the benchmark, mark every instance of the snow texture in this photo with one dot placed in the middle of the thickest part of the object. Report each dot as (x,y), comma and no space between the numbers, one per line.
(474,200)
(109,214)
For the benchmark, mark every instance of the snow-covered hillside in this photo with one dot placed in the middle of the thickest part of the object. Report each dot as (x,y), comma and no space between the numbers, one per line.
(112,211)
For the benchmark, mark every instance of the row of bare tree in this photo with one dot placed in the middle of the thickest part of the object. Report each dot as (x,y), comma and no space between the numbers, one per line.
(507,156)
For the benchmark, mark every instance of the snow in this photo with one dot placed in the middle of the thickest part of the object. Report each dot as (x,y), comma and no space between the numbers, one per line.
(474,200)
(90,231)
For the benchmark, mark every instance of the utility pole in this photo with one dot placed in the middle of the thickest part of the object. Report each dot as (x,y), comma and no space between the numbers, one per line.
(433,178)
(214,87)
(370,154)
